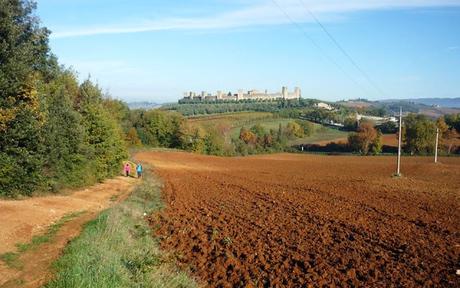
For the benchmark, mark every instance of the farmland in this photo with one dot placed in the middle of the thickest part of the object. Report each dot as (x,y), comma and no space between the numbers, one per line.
(292,220)
(231,123)
(322,135)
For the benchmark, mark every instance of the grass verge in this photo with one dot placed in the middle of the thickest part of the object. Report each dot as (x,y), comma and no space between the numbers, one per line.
(50,233)
(117,248)
(12,258)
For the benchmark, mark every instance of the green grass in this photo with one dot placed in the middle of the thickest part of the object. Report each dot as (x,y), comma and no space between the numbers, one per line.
(231,120)
(321,134)
(266,123)
(233,116)
(12,258)
(50,233)
(235,121)
(114,198)
(117,249)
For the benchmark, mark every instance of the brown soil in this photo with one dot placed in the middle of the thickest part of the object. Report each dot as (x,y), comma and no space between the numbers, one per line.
(23,219)
(341,140)
(390,140)
(387,139)
(300,220)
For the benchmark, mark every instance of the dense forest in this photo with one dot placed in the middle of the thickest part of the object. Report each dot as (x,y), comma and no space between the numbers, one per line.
(54,132)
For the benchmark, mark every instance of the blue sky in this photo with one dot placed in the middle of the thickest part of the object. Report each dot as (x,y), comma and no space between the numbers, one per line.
(156,50)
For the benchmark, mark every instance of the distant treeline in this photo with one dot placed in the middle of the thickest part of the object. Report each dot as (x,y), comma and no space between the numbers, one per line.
(257,139)
(418,137)
(213,107)
(158,128)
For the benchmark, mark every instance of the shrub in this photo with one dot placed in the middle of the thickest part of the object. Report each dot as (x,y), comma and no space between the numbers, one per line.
(419,134)
(366,140)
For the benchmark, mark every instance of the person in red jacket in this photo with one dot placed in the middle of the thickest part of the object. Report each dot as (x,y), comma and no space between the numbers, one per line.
(127,169)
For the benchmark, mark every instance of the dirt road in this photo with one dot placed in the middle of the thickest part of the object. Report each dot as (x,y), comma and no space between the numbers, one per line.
(23,219)
(298,220)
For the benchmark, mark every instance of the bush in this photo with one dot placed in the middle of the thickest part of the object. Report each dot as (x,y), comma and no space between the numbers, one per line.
(307,126)
(350,124)
(158,128)
(387,128)
(366,140)
(419,134)
(294,130)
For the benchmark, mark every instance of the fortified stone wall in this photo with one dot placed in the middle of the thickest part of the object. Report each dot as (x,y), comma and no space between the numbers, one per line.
(240,95)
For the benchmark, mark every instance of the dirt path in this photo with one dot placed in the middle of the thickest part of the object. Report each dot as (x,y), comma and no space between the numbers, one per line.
(23,219)
(288,220)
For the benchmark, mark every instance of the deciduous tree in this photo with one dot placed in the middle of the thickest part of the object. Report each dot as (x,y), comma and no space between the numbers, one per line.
(419,134)
(366,140)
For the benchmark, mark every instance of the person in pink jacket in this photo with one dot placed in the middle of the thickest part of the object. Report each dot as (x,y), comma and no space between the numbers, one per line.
(127,169)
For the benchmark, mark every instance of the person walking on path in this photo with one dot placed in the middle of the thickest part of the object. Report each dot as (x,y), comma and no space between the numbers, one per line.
(139,170)
(127,169)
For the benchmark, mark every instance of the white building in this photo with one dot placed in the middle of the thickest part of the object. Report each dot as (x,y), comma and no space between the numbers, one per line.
(325,106)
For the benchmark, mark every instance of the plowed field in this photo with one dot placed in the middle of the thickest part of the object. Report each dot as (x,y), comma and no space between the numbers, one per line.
(298,220)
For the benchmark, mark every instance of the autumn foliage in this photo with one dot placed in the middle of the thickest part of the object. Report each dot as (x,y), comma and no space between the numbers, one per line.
(366,140)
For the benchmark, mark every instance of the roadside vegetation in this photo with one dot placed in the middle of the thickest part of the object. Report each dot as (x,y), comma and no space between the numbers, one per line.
(54,132)
(117,249)
(12,259)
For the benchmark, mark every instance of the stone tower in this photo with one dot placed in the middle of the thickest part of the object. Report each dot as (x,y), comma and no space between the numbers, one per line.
(239,96)
(284,92)
(297,92)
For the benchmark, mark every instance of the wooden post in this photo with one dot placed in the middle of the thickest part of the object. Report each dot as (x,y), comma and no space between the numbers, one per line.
(398,169)
(436,146)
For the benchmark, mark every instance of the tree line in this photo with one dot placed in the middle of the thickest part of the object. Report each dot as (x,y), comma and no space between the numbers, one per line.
(54,132)
(190,108)
(418,135)
(159,128)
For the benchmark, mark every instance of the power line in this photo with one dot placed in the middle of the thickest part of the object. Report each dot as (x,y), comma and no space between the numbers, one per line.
(337,44)
(318,46)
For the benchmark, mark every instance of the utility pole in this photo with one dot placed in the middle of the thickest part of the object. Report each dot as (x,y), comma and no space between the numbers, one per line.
(398,169)
(436,146)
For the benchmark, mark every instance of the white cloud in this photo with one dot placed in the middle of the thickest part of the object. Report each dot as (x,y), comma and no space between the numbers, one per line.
(453,48)
(264,13)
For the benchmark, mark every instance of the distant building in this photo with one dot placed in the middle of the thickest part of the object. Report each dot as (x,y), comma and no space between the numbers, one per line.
(240,95)
(375,119)
(325,106)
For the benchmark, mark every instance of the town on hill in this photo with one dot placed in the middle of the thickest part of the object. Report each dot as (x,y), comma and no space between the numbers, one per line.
(241,95)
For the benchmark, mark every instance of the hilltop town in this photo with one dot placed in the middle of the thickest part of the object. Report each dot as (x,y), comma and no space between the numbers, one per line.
(249,95)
